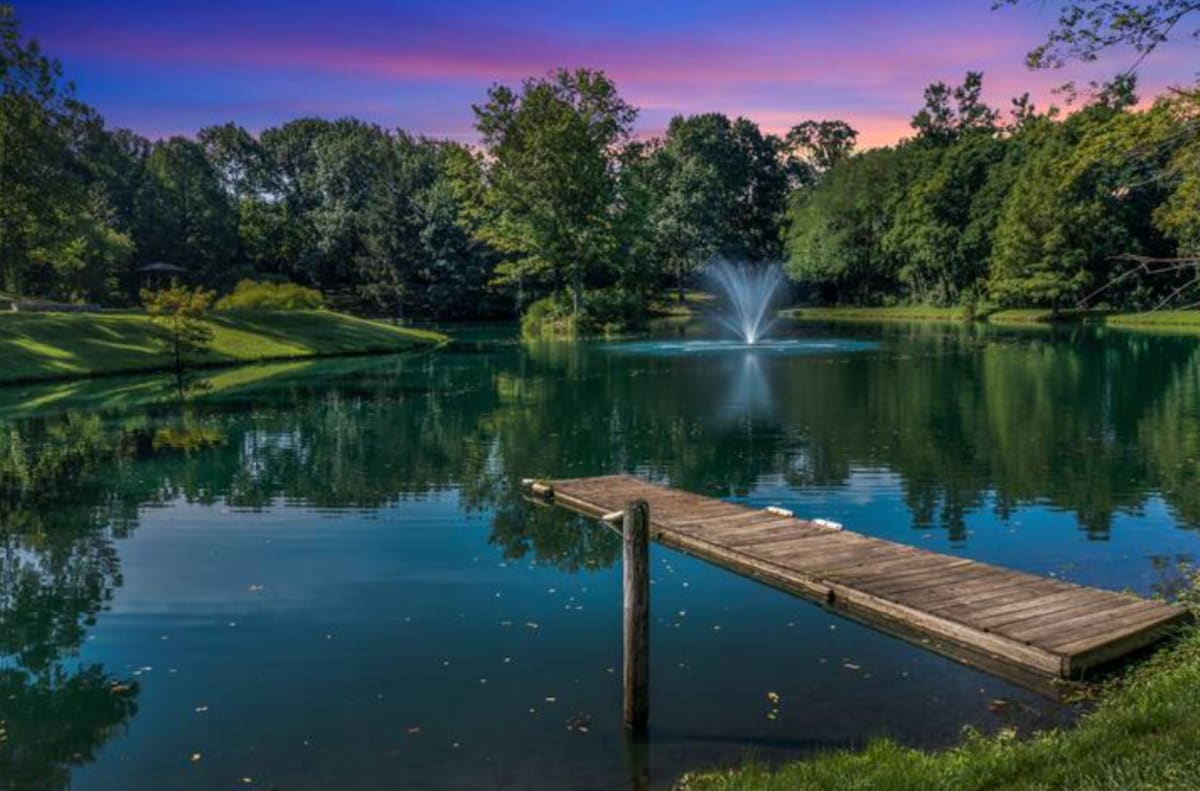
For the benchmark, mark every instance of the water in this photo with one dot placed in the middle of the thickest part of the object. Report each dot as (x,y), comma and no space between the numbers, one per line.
(737,349)
(749,290)
(322,575)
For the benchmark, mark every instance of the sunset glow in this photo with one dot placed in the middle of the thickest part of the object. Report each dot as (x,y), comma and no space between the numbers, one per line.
(171,68)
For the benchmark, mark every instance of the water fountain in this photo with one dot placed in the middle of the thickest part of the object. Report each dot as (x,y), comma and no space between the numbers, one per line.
(750,290)
(749,294)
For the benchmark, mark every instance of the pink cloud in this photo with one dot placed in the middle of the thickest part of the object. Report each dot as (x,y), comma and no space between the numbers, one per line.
(771,66)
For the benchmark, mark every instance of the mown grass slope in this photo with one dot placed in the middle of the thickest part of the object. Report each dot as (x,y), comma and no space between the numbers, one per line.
(36,346)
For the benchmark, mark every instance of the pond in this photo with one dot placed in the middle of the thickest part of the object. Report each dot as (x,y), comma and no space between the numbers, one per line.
(323,575)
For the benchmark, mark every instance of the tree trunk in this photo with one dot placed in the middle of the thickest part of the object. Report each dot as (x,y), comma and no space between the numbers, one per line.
(577,290)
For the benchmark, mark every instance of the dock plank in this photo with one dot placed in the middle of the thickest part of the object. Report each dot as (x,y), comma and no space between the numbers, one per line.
(1021,620)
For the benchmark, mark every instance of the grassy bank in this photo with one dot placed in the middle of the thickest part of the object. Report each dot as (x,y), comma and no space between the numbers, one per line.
(1183,319)
(39,346)
(694,302)
(899,313)
(1045,316)
(1145,734)
(1166,319)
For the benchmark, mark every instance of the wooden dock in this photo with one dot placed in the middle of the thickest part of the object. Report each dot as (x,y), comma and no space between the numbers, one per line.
(1031,623)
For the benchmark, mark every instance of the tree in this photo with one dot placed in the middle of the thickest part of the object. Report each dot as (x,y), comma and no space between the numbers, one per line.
(185,216)
(940,122)
(941,230)
(553,149)
(1069,213)
(718,188)
(180,311)
(691,194)
(238,160)
(822,144)
(33,107)
(760,195)
(835,229)
(419,255)
(1179,216)
(57,236)
(1087,28)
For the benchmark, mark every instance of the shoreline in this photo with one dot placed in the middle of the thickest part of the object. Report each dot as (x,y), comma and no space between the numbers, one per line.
(46,348)
(1166,320)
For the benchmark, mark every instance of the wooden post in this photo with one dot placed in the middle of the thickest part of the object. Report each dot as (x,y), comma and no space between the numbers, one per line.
(635,536)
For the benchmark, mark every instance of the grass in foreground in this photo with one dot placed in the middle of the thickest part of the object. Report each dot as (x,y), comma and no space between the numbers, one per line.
(1145,734)
(37,346)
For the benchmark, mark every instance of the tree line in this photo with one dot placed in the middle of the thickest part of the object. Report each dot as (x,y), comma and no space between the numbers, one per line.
(561,212)
(1098,207)
(559,200)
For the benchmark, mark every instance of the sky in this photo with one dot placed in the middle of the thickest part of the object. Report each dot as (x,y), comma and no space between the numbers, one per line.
(171,67)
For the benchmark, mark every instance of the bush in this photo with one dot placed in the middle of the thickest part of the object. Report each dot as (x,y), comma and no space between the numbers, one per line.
(254,295)
(612,310)
(548,318)
(604,311)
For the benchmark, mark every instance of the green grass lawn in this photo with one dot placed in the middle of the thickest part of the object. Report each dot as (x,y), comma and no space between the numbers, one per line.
(1167,319)
(668,304)
(1144,734)
(898,313)
(1045,316)
(1161,318)
(1021,316)
(37,346)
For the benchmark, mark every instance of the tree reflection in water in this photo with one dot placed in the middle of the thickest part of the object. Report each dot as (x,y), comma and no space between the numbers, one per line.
(1093,424)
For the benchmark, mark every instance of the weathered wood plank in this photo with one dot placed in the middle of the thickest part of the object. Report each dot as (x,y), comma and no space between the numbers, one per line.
(1017,591)
(1078,603)
(1004,604)
(902,566)
(914,568)
(760,532)
(936,577)
(1088,624)
(956,590)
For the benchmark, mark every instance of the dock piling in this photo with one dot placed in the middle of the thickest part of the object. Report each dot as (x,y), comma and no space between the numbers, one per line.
(635,538)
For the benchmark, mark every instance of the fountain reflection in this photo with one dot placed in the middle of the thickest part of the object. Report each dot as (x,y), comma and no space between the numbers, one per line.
(750,393)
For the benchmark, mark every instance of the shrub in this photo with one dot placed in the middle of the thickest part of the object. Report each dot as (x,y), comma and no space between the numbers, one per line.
(548,318)
(604,311)
(255,295)
(612,310)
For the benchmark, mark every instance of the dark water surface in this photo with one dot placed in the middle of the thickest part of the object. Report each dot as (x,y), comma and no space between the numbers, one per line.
(322,576)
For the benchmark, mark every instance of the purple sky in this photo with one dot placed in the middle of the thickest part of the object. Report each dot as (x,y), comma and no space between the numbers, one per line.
(172,66)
